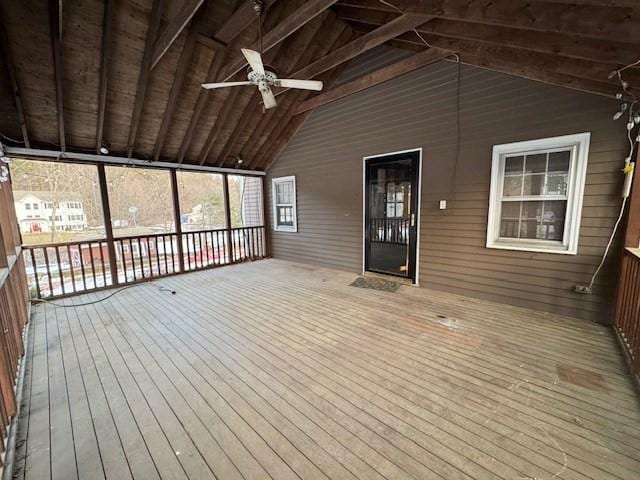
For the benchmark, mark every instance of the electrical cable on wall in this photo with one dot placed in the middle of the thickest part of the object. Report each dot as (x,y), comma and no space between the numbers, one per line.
(454,173)
(628,106)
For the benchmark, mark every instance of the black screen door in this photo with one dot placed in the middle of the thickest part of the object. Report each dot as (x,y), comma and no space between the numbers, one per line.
(391,214)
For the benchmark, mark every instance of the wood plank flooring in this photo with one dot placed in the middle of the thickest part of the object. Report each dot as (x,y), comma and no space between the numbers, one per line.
(277,370)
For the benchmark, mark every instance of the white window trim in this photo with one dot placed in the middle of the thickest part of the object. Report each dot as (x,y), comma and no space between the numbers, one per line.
(577,173)
(284,228)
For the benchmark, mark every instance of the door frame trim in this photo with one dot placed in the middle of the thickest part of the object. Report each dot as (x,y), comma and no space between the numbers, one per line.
(416,282)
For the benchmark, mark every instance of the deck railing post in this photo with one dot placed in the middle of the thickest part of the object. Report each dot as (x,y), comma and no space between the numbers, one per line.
(227,215)
(108,228)
(265,250)
(176,218)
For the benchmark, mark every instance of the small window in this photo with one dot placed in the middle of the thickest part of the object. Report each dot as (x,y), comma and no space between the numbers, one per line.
(536,194)
(284,204)
(36,206)
(27,206)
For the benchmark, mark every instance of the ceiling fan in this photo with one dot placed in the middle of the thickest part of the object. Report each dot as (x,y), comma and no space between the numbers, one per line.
(263,78)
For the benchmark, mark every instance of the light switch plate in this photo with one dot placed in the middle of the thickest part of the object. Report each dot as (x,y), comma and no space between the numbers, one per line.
(443,204)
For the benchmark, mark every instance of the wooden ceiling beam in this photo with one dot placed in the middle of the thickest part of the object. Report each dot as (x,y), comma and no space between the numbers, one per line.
(55,25)
(236,24)
(304,14)
(178,81)
(622,24)
(380,35)
(171,31)
(13,79)
(514,64)
(374,78)
(273,21)
(572,46)
(284,130)
(105,61)
(276,119)
(295,48)
(145,72)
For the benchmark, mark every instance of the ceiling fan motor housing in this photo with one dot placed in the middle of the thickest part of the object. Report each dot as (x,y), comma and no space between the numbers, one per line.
(264,82)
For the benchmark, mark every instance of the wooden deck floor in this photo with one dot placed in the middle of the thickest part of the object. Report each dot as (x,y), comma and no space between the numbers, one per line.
(273,370)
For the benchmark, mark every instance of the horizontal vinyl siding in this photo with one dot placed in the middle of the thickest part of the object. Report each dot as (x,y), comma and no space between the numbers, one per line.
(418,110)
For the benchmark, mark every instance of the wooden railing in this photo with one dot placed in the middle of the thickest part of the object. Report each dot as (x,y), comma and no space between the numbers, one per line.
(74,267)
(627,310)
(13,318)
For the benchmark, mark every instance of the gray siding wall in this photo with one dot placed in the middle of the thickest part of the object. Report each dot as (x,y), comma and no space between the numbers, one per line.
(419,110)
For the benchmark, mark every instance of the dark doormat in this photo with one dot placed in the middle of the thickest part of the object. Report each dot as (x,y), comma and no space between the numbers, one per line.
(375,284)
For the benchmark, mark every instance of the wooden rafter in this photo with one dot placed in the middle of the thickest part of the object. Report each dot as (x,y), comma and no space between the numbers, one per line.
(171,31)
(572,46)
(296,20)
(374,78)
(55,24)
(174,94)
(238,22)
(105,59)
(513,63)
(145,72)
(591,21)
(230,104)
(296,47)
(336,37)
(13,79)
(284,130)
(372,39)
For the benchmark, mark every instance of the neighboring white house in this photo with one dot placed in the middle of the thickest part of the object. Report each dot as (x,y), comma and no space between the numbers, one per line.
(35,211)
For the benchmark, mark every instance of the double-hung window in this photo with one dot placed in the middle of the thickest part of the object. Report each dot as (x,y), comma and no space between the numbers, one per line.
(536,194)
(284,204)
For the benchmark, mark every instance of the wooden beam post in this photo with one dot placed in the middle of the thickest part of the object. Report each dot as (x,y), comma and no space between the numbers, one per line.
(227,214)
(105,57)
(143,78)
(175,196)
(55,24)
(108,227)
(265,219)
(632,230)
(172,102)
(173,29)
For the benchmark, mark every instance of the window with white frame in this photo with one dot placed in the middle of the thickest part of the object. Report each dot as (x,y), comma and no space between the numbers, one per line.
(536,194)
(284,204)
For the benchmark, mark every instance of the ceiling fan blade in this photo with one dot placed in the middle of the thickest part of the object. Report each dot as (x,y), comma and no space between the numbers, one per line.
(209,86)
(301,84)
(269,99)
(254,60)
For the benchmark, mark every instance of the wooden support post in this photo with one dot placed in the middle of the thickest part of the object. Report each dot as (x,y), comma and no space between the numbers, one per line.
(265,222)
(227,214)
(176,217)
(108,228)
(632,233)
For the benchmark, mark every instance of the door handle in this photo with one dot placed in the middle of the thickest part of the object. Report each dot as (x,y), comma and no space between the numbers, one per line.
(413,219)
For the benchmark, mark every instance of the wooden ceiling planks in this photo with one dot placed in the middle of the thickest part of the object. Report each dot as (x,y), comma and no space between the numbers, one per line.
(94,94)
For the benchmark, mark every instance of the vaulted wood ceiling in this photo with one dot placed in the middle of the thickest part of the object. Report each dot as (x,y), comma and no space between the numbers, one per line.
(79,74)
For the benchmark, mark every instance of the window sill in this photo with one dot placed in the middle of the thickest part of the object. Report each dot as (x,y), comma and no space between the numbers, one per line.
(562,250)
(286,230)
